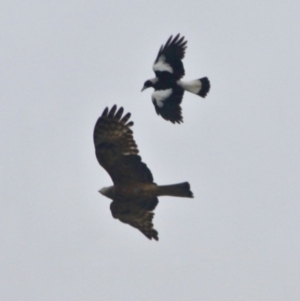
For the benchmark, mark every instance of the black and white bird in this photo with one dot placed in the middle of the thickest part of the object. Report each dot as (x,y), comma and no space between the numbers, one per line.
(168,86)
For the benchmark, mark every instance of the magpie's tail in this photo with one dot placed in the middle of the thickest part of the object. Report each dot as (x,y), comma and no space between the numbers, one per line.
(199,86)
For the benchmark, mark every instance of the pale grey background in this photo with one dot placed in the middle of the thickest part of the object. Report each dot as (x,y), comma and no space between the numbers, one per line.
(62,62)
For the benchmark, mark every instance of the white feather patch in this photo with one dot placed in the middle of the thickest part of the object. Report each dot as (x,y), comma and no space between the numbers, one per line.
(154,80)
(160,96)
(161,65)
(193,86)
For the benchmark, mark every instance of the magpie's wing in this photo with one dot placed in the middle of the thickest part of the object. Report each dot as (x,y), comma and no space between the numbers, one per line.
(167,104)
(116,150)
(137,214)
(168,62)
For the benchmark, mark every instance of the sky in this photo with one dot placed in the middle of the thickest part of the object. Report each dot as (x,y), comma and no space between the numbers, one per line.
(62,63)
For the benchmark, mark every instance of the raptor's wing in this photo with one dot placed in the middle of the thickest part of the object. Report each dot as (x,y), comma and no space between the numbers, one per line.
(116,150)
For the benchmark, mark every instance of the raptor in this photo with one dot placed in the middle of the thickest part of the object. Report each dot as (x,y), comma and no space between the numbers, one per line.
(134,193)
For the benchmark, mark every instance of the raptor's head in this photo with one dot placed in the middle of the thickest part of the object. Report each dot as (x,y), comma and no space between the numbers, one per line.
(107,191)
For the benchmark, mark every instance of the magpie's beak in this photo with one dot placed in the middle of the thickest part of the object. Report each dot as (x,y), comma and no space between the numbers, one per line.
(143,89)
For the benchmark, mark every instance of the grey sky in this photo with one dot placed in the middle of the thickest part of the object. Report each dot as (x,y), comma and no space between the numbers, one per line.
(61,63)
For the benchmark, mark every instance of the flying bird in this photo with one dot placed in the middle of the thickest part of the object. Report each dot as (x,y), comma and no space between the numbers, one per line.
(167,83)
(134,193)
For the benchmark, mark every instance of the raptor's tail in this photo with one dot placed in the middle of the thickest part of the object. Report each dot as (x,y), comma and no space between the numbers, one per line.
(199,86)
(180,190)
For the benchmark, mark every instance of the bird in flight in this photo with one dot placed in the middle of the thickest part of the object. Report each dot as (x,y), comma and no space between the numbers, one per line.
(167,83)
(134,193)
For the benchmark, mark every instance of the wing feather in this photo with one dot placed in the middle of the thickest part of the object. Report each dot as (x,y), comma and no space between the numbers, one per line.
(116,149)
(169,107)
(169,58)
(138,215)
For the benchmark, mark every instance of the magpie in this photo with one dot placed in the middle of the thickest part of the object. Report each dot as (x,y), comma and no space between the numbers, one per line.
(168,88)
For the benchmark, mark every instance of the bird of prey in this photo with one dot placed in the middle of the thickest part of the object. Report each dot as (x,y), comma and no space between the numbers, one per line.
(134,192)
(168,86)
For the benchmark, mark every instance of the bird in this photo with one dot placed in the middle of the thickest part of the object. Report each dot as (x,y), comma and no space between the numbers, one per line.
(167,83)
(134,193)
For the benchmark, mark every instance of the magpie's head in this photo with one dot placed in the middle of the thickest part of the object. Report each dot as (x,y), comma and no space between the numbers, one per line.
(148,83)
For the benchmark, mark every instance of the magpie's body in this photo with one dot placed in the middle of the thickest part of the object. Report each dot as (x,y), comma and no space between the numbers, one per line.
(168,88)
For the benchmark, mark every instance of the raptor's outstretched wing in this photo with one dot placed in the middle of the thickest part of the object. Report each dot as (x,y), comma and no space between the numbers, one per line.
(116,150)
(137,214)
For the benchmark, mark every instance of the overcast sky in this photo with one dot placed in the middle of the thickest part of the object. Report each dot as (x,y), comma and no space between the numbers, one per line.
(62,63)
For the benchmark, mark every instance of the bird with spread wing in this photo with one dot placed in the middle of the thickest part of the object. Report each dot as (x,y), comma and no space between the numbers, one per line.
(168,86)
(134,192)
